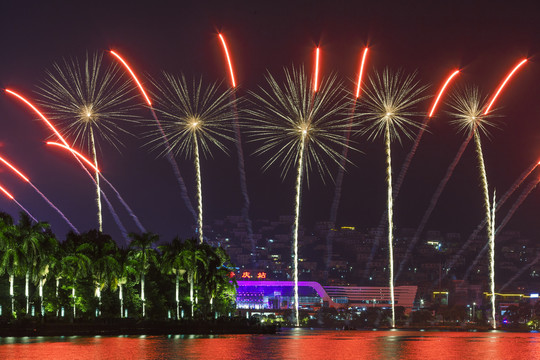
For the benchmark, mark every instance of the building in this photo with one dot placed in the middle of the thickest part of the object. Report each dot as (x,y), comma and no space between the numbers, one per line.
(279,295)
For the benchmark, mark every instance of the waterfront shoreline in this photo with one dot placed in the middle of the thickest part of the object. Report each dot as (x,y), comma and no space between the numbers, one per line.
(185,327)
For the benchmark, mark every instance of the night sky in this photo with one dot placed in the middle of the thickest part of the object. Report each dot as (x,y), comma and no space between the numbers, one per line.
(484,39)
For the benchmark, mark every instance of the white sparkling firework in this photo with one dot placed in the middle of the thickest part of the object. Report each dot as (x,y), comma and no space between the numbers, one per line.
(91,101)
(194,117)
(387,111)
(302,129)
(469,113)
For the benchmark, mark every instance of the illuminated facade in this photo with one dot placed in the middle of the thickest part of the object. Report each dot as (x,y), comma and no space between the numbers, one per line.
(275,295)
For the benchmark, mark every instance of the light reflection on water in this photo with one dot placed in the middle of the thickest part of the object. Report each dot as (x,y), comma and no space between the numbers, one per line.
(288,344)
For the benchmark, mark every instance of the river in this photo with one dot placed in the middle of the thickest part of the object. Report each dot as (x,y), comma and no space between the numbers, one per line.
(288,344)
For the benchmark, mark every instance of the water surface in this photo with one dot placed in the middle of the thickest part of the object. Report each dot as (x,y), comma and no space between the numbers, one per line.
(288,344)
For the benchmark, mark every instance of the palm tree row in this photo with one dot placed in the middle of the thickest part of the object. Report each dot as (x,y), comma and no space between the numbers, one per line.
(93,277)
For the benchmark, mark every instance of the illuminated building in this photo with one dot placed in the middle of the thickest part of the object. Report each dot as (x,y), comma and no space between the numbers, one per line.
(276,295)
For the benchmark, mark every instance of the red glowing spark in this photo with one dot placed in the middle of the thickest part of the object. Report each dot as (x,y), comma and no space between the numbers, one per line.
(359,85)
(7,194)
(316,83)
(14,169)
(228,59)
(504,83)
(39,113)
(441,92)
(133,76)
(75,152)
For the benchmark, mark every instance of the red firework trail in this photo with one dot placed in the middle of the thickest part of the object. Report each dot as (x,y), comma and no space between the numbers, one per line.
(76,153)
(341,171)
(434,200)
(22,176)
(499,89)
(39,114)
(443,88)
(240,153)
(361,72)
(109,205)
(170,158)
(233,81)
(133,76)
(530,187)
(316,82)
(16,202)
(7,193)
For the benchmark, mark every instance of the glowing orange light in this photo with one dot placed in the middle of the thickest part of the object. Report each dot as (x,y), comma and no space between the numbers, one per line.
(7,194)
(39,113)
(504,83)
(14,169)
(316,83)
(359,85)
(133,76)
(261,275)
(228,59)
(246,275)
(75,152)
(441,92)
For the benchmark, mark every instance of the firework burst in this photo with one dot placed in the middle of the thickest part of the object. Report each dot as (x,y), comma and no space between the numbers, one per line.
(301,129)
(387,111)
(195,118)
(470,116)
(92,102)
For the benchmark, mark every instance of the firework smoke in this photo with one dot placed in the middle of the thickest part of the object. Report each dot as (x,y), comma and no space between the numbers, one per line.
(299,128)
(525,193)
(170,158)
(195,118)
(388,102)
(433,202)
(26,179)
(482,224)
(240,153)
(492,262)
(341,170)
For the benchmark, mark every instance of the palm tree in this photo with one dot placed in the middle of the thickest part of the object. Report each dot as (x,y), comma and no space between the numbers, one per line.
(195,260)
(101,250)
(126,268)
(143,253)
(174,262)
(216,275)
(11,257)
(75,264)
(47,258)
(29,239)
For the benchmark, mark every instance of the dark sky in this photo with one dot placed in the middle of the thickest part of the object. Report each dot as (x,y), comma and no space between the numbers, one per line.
(484,39)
